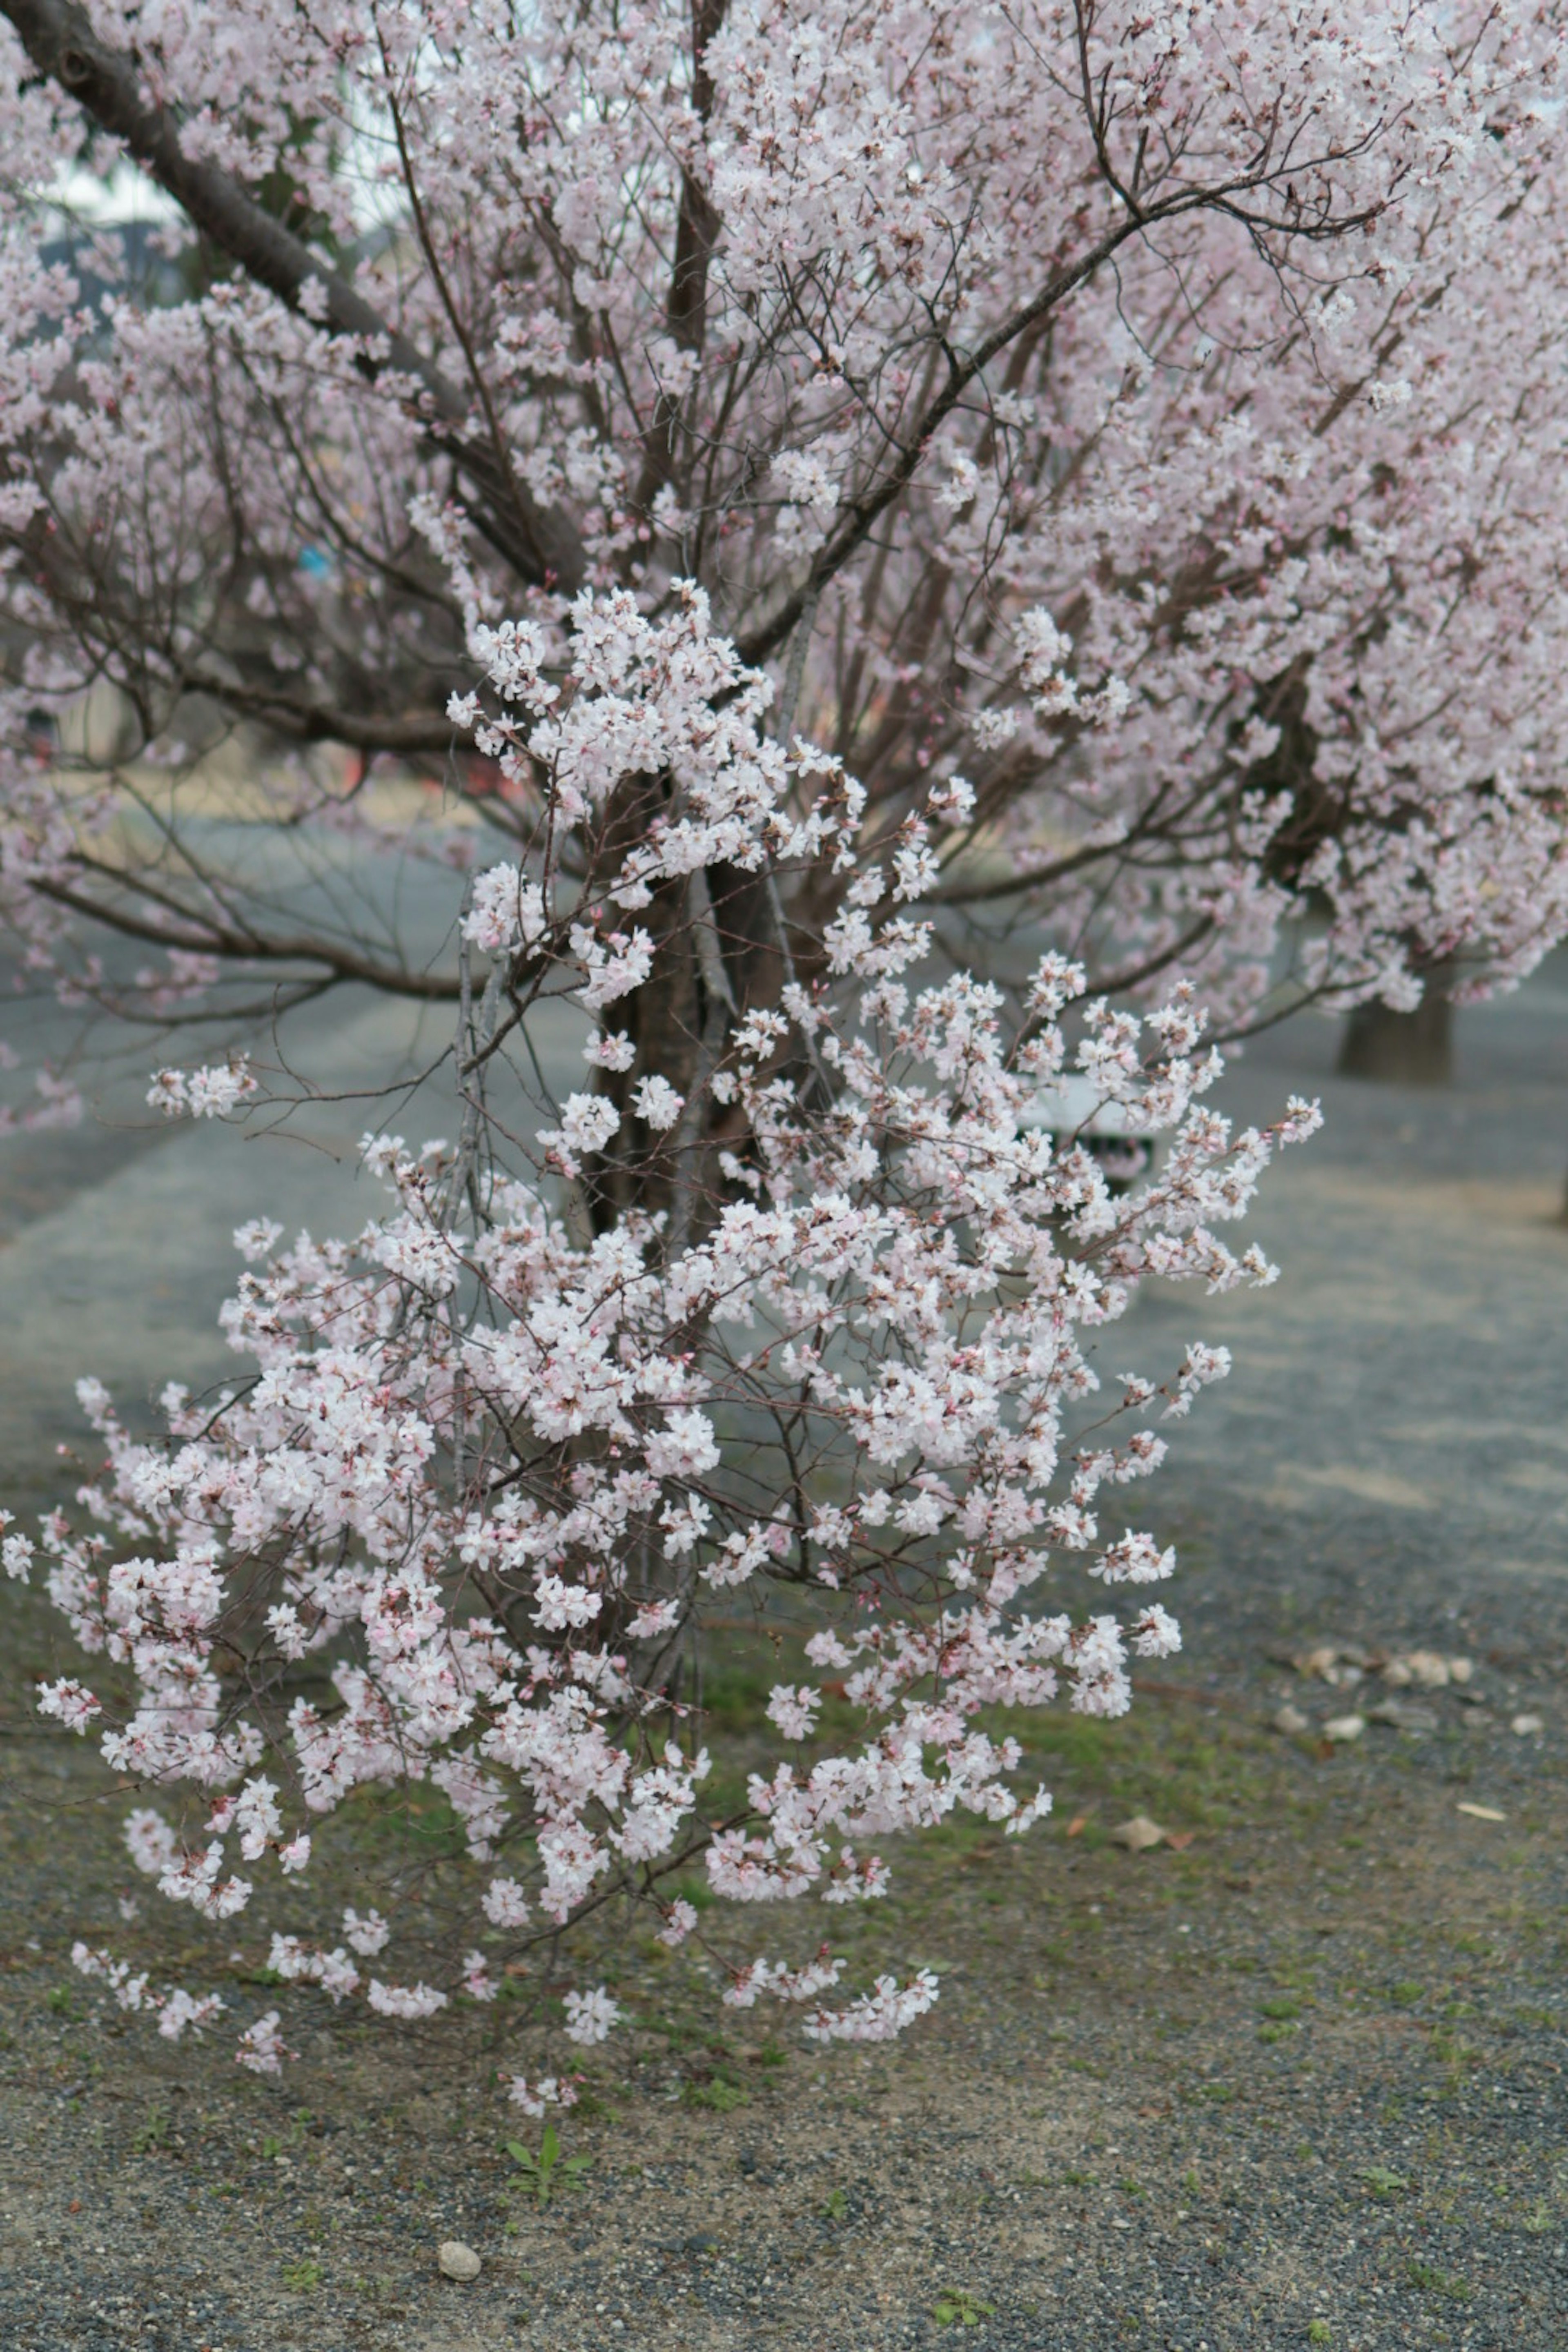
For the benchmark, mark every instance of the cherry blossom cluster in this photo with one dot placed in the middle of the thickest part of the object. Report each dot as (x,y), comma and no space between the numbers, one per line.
(504,1466)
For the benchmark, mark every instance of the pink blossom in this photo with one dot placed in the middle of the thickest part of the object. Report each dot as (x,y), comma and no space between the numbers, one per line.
(544,2091)
(368,1935)
(261,2047)
(405,2001)
(590,2016)
(679,1921)
(211,1093)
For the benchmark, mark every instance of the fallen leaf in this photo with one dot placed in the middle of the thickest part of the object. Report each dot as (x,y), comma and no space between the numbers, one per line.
(1077,1825)
(1138,1834)
(1344,1727)
(1181,1839)
(1483,1812)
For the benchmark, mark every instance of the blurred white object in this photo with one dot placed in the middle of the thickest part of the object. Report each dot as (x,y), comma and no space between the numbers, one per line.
(1073,1112)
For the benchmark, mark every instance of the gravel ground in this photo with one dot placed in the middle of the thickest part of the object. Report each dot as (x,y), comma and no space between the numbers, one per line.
(1297,2080)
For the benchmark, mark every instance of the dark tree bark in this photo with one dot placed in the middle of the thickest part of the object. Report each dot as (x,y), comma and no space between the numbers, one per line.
(1407,1049)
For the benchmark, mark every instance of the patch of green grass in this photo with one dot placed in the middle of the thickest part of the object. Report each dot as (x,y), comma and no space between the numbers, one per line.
(1319,2332)
(688,2034)
(302,2277)
(1406,1993)
(722,2094)
(1382,2183)
(836,2206)
(1282,2008)
(694,1890)
(735,1693)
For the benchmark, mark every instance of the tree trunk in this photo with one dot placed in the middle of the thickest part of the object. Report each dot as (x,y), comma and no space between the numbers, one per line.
(1409,1049)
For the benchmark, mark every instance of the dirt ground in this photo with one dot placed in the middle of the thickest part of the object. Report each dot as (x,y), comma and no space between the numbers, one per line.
(1296,2080)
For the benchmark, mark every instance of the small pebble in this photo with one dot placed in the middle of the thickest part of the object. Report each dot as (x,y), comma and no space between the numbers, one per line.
(1341,1727)
(1432,1672)
(456,2260)
(1291,1720)
(1526,1726)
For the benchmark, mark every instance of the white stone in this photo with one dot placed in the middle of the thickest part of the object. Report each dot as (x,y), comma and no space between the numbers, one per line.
(1429,1670)
(456,2260)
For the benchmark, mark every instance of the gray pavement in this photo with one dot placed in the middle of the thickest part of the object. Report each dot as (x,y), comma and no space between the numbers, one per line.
(1390,1456)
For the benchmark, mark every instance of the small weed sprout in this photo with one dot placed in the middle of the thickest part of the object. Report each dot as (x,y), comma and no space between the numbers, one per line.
(955,2308)
(539,2176)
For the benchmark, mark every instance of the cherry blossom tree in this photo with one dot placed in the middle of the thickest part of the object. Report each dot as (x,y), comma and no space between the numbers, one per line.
(811,490)
(502,1455)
